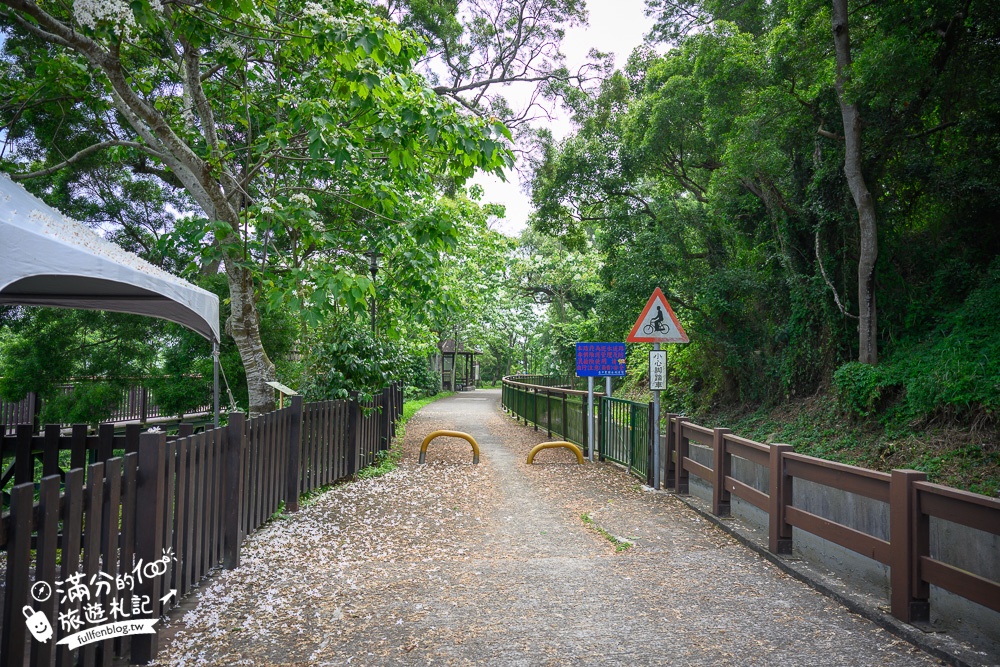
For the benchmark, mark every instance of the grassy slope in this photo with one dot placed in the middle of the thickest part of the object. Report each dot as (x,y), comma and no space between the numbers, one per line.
(961,457)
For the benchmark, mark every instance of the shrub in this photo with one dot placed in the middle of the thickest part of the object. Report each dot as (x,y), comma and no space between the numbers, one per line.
(860,387)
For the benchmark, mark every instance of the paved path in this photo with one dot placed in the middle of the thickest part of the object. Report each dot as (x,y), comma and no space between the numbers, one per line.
(451,563)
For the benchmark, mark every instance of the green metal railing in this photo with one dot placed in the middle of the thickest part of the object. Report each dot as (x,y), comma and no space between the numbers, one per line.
(558,410)
(625,434)
(557,381)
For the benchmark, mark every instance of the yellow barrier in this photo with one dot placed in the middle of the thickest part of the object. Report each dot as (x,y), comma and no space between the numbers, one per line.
(449,434)
(550,445)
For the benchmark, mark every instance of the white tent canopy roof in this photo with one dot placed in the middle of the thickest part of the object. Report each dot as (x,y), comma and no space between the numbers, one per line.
(48,259)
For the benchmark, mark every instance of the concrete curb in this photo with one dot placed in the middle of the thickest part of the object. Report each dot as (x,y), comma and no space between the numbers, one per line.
(937,644)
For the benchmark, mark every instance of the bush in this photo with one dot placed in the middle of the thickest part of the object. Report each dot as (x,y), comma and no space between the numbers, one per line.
(859,387)
(954,371)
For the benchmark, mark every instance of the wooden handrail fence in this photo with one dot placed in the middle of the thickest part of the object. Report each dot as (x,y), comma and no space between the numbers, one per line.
(911,500)
(184,503)
(134,404)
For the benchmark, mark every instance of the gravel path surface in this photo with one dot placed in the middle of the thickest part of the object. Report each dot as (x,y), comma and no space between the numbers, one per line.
(451,563)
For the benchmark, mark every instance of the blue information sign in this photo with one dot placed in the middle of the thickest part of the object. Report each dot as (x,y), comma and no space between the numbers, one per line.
(600,360)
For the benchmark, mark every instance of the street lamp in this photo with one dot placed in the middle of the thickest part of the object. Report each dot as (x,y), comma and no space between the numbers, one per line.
(373,268)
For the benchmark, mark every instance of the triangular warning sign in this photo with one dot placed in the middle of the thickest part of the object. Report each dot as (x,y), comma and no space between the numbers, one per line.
(657,324)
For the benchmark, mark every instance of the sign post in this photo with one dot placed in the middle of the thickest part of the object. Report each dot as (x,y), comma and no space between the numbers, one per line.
(605,360)
(590,418)
(657,324)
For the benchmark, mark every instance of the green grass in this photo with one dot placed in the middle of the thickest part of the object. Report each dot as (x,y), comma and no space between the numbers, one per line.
(410,407)
(620,544)
(951,455)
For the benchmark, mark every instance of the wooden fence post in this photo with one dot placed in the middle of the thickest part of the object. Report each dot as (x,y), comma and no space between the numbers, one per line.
(132,433)
(681,445)
(909,539)
(292,474)
(105,442)
(24,460)
(12,636)
(722,464)
(78,447)
(353,434)
(234,514)
(45,567)
(35,410)
(779,533)
(151,499)
(50,450)
(385,419)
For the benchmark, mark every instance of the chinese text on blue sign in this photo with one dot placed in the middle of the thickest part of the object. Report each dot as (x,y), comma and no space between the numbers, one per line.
(600,359)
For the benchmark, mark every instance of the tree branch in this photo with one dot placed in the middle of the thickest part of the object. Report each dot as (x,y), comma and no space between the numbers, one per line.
(836,297)
(79,155)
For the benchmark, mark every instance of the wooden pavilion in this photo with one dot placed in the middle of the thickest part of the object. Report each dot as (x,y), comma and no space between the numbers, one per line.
(459,368)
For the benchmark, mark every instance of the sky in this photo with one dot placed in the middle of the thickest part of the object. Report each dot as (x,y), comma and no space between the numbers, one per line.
(615,26)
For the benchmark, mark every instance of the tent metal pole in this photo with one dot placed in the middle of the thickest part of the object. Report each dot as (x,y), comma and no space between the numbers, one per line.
(215,377)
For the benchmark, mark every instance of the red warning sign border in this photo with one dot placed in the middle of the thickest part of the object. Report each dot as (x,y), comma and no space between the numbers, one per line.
(633,338)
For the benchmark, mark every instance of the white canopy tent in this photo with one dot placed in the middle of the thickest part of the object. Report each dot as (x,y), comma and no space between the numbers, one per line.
(48,259)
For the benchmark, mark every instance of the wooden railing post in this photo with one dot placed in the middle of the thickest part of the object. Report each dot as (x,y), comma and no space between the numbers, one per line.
(681,445)
(353,434)
(35,410)
(294,454)
(105,442)
(12,636)
(234,514)
(722,467)
(143,405)
(386,419)
(779,535)
(24,460)
(151,499)
(909,538)
(134,431)
(50,450)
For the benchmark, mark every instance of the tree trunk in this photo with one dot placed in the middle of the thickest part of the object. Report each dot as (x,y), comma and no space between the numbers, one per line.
(244,326)
(204,181)
(863,201)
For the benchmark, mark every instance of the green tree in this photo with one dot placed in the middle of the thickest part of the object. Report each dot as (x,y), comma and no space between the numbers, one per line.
(246,108)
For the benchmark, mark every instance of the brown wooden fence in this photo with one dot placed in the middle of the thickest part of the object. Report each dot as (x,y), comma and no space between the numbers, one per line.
(911,500)
(24,411)
(134,404)
(161,515)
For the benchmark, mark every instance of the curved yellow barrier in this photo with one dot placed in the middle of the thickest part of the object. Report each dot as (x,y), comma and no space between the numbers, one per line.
(449,434)
(549,445)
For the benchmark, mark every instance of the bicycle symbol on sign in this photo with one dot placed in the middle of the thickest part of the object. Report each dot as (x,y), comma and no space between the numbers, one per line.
(656,324)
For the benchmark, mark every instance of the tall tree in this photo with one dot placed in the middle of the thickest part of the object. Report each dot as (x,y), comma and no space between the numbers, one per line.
(480,51)
(863,200)
(220,98)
